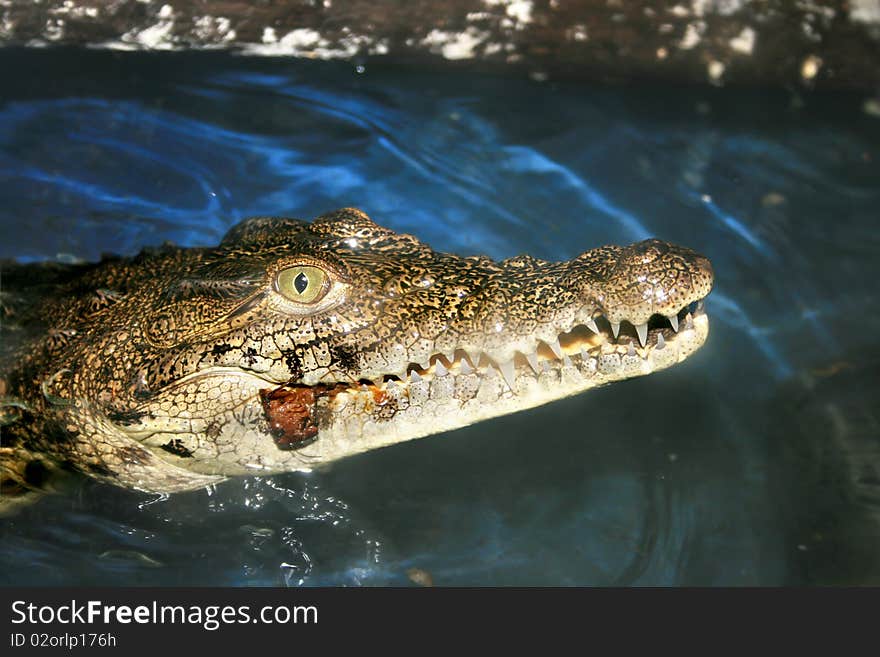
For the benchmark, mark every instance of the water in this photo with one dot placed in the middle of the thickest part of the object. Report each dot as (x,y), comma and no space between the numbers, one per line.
(755,462)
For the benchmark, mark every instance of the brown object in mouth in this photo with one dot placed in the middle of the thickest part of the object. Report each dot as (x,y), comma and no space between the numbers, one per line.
(291,415)
(291,412)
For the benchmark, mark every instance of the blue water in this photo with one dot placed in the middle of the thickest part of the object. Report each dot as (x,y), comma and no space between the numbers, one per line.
(755,462)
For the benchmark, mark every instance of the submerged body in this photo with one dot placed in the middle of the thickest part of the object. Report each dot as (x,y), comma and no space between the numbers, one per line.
(293,344)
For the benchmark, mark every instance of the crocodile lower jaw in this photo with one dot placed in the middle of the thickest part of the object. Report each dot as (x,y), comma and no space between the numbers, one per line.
(296,427)
(362,417)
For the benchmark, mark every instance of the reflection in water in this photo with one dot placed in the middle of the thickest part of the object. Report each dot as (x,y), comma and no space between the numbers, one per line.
(755,462)
(830,445)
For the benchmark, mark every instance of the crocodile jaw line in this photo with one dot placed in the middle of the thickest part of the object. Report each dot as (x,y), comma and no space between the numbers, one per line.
(430,403)
(447,395)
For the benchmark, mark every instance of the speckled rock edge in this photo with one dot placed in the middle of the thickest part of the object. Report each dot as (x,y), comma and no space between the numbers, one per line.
(820,43)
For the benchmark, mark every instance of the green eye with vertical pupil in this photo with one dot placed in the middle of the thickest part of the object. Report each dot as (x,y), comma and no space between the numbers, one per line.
(304,283)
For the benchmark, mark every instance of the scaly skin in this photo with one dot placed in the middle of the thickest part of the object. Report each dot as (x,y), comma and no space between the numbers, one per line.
(181,367)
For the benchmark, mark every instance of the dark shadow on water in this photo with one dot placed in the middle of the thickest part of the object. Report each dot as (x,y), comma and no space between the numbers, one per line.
(827,473)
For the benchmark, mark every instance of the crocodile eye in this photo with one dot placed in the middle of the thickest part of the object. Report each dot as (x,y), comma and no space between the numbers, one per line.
(304,283)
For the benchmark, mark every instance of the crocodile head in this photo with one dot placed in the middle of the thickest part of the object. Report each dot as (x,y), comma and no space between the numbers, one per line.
(293,344)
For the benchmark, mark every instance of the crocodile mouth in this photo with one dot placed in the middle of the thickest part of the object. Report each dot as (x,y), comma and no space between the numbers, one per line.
(582,342)
(586,355)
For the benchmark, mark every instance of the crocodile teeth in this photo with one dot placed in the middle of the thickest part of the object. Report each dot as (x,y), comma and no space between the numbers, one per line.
(566,361)
(688,321)
(556,348)
(466,368)
(591,324)
(440,368)
(415,376)
(584,354)
(532,360)
(673,319)
(508,372)
(631,351)
(615,329)
(660,341)
(642,330)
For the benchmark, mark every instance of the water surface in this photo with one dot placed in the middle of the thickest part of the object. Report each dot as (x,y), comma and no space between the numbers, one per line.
(755,462)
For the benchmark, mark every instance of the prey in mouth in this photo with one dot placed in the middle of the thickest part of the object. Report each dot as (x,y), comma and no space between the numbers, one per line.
(294,344)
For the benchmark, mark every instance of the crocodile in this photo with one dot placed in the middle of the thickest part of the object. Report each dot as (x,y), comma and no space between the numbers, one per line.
(293,344)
